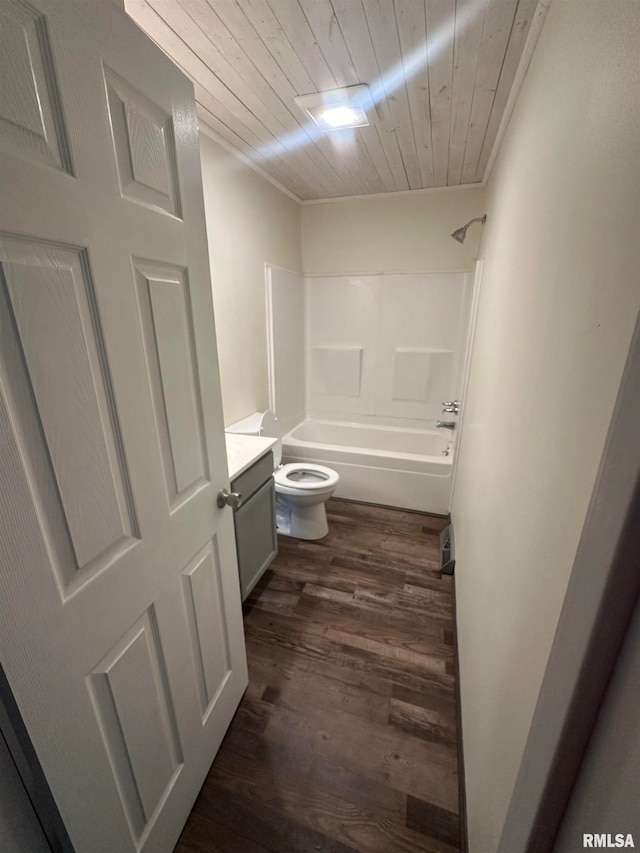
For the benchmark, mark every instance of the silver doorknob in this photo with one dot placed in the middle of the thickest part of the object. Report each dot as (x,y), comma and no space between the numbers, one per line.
(232,499)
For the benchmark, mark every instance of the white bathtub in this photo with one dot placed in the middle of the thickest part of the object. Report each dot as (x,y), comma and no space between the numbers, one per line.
(384,465)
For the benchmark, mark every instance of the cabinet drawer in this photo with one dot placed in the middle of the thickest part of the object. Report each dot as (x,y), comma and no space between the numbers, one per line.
(250,480)
(256,537)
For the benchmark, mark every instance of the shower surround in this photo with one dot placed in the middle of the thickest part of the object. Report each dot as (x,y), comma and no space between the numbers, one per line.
(371,365)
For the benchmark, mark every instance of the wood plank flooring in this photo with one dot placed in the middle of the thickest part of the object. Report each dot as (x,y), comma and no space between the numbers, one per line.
(345,741)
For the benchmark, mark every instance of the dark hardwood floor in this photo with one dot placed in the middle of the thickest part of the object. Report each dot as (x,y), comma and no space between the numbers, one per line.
(345,740)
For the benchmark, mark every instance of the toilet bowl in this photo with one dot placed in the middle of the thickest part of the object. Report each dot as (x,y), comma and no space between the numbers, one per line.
(302,488)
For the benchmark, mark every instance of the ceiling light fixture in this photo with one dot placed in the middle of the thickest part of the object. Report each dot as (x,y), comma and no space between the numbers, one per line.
(339,108)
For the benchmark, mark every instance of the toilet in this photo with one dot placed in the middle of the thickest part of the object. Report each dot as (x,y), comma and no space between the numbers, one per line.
(302,488)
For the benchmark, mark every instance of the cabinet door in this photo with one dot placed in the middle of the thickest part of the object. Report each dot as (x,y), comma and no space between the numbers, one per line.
(256,536)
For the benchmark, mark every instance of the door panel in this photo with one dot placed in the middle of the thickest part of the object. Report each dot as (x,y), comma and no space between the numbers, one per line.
(136,714)
(120,616)
(49,301)
(144,147)
(165,309)
(209,636)
(31,122)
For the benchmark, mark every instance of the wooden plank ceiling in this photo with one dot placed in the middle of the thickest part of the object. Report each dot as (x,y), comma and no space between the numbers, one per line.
(442,70)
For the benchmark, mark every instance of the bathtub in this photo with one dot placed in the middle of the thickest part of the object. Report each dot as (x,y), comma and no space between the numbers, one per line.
(405,468)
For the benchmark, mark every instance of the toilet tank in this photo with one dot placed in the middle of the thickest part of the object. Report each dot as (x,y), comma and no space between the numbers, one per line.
(264,424)
(250,425)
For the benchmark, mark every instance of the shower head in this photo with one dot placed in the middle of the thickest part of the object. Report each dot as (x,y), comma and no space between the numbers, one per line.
(460,233)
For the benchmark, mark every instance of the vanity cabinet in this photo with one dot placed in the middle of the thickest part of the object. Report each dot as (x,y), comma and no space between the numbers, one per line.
(255,522)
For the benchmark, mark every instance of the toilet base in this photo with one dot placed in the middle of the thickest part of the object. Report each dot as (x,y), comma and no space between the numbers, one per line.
(301,521)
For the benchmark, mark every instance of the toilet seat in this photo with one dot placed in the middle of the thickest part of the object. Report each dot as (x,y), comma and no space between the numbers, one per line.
(305,477)
(302,488)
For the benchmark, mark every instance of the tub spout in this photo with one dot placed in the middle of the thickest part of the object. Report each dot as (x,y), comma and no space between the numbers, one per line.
(445,424)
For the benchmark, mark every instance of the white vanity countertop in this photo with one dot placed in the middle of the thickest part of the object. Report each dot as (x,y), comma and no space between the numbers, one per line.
(244,450)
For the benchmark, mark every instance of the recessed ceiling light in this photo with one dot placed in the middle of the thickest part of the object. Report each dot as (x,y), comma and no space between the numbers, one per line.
(339,108)
(335,117)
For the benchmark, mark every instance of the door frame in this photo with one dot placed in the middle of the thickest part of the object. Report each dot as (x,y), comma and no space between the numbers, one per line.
(14,733)
(603,591)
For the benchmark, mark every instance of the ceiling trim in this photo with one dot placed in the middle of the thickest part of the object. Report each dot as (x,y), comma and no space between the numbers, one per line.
(423,191)
(235,152)
(203,127)
(523,66)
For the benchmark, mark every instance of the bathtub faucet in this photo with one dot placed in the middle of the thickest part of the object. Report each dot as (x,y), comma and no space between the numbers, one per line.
(445,424)
(452,407)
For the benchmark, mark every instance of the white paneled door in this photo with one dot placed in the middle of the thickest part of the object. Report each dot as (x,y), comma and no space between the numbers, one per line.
(120,616)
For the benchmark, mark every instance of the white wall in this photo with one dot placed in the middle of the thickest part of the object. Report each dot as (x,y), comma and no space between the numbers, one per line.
(385,348)
(249,223)
(285,307)
(558,306)
(394,233)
